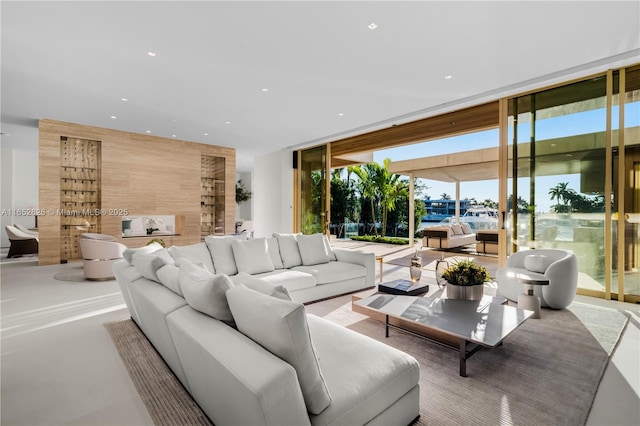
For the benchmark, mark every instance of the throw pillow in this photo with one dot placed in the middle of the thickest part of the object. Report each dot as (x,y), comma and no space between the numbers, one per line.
(128,253)
(206,292)
(149,263)
(457,229)
(280,326)
(262,286)
(197,253)
(536,263)
(466,228)
(313,250)
(327,244)
(252,256)
(222,253)
(168,275)
(289,251)
(274,251)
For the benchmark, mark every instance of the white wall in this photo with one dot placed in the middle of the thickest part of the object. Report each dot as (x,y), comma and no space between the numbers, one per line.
(19,187)
(245,210)
(273,193)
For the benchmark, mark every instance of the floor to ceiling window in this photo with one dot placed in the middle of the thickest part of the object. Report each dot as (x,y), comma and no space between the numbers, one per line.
(625,282)
(313,212)
(558,179)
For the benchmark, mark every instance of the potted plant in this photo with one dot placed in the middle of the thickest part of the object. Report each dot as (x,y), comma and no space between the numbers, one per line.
(465,279)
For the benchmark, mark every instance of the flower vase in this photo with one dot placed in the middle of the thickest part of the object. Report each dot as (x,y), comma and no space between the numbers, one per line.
(415,269)
(441,266)
(466,292)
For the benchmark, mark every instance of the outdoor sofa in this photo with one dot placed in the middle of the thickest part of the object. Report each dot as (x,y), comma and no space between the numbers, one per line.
(448,236)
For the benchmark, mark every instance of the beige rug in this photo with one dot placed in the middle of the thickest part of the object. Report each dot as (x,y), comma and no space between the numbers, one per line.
(546,373)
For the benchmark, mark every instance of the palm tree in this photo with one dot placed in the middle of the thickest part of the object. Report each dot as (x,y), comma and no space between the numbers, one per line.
(391,188)
(445,196)
(367,186)
(380,187)
(562,194)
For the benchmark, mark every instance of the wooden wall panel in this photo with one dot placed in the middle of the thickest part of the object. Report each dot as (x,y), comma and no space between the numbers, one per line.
(142,174)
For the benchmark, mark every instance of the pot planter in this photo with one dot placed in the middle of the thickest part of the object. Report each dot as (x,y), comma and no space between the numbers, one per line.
(466,292)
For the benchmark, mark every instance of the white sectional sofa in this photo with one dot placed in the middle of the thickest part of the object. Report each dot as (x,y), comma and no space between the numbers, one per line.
(244,347)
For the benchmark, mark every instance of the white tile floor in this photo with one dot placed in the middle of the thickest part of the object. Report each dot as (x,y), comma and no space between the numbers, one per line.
(59,366)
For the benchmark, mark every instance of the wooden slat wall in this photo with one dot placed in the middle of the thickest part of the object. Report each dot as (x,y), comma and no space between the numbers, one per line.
(146,175)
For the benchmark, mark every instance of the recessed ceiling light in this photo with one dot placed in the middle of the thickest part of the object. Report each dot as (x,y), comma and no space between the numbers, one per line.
(173,136)
(227,122)
(124,99)
(113,117)
(340,114)
(448,77)
(148,131)
(265,90)
(372,26)
(206,134)
(152,54)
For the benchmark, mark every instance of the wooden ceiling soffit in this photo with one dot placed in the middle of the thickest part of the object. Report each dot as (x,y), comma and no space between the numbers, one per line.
(468,120)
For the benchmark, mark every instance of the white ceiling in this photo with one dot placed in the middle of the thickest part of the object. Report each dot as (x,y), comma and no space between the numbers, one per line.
(75,61)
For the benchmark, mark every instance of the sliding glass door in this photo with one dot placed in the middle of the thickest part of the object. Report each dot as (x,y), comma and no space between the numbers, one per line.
(557,177)
(313,212)
(574,178)
(626,187)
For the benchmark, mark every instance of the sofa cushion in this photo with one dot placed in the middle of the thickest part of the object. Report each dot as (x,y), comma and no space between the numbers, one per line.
(466,228)
(290,279)
(289,251)
(274,251)
(222,254)
(327,244)
(332,272)
(168,276)
(128,253)
(537,263)
(195,252)
(313,250)
(457,229)
(149,263)
(261,285)
(252,256)
(206,292)
(280,326)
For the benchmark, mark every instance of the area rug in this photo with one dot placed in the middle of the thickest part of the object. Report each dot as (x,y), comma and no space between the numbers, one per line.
(546,373)
(74,274)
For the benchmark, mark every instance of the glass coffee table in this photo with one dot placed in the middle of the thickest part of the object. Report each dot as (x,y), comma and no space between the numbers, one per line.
(463,325)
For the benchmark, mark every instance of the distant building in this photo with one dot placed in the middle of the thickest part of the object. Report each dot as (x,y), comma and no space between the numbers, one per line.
(438,210)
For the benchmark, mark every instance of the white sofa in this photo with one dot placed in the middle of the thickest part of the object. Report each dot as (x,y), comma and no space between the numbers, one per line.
(250,355)
(448,236)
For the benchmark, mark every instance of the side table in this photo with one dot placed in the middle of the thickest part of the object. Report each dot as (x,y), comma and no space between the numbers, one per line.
(527,300)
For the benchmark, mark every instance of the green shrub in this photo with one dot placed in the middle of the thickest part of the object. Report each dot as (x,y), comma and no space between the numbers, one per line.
(386,240)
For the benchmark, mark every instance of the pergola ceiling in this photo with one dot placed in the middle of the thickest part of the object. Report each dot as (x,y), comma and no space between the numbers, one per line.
(569,155)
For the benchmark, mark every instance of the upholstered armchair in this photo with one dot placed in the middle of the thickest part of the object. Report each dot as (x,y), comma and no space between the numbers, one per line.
(559,267)
(21,242)
(98,255)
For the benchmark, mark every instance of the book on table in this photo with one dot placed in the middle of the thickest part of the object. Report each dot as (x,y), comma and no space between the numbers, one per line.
(403,287)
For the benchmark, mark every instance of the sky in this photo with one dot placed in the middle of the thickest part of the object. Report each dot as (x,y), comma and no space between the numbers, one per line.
(560,126)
